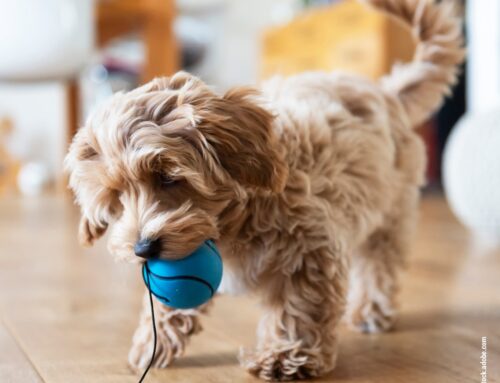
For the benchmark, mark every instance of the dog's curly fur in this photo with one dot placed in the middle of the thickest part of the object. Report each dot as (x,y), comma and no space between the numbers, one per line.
(304,183)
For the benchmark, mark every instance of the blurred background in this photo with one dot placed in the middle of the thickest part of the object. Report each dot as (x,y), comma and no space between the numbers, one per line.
(61,58)
(67,314)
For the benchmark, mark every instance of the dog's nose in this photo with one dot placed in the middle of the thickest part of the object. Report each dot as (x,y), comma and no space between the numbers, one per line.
(147,248)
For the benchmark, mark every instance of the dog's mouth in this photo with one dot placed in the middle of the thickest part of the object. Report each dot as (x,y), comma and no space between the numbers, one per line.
(162,248)
(146,249)
(171,234)
(152,255)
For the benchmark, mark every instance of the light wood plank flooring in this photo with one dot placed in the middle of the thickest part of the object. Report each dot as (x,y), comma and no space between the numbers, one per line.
(67,313)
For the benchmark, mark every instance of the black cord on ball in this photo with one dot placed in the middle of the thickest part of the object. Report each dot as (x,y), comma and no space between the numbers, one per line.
(153,322)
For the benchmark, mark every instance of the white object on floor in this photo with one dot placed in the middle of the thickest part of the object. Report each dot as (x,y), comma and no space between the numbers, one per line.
(39,116)
(33,178)
(471,173)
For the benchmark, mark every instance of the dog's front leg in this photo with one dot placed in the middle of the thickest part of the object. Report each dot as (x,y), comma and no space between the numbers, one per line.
(174,327)
(298,332)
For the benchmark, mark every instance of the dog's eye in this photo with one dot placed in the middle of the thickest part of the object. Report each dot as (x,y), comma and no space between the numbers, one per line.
(166,180)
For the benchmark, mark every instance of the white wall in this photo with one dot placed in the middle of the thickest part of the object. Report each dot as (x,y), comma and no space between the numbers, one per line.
(483,24)
(239,45)
(39,110)
(39,115)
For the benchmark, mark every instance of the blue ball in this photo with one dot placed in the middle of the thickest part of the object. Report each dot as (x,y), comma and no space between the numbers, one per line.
(188,282)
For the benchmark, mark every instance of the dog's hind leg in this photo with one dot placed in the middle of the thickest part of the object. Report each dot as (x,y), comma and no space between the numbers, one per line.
(376,267)
(173,326)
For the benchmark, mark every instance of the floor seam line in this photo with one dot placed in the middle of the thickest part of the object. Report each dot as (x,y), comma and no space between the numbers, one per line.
(19,344)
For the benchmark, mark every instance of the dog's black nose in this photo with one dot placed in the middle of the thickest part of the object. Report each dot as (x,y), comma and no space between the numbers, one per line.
(147,248)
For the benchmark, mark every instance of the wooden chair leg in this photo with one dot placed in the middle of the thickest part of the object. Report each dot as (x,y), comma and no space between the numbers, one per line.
(73,112)
(73,108)
(159,38)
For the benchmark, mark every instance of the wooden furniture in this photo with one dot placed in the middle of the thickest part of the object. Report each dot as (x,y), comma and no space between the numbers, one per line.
(346,36)
(68,314)
(9,166)
(153,20)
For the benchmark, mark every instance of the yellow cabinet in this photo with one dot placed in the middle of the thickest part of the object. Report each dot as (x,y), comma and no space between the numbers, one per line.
(347,36)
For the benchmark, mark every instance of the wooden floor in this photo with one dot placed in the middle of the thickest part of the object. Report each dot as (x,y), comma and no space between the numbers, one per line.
(67,314)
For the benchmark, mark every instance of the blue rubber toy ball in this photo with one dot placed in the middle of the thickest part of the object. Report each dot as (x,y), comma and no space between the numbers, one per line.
(188,282)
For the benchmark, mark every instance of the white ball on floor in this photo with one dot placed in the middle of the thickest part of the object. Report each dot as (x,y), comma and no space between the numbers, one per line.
(471,173)
(33,178)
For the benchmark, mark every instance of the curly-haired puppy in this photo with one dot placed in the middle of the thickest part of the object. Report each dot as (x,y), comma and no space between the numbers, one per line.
(308,185)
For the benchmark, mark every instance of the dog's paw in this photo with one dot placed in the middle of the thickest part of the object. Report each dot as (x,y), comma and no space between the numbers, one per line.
(282,364)
(371,317)
(173,332)
(141,351)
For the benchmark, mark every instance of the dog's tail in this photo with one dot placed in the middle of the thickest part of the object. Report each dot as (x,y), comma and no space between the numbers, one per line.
(422,84)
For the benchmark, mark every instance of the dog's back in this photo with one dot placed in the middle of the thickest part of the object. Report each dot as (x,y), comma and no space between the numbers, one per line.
(341,128)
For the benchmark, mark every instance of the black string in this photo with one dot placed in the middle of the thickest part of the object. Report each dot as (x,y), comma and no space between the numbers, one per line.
(175,278)
(154,325)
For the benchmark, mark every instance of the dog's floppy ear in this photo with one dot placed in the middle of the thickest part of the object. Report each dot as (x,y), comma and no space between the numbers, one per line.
(89,232)
(95,210)
(240,131)
(95,201)
(98,206)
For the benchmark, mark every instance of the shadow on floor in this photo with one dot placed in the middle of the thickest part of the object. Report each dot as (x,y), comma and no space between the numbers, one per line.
(218,359)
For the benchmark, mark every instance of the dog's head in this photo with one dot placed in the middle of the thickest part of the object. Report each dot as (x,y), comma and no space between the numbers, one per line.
(160,164)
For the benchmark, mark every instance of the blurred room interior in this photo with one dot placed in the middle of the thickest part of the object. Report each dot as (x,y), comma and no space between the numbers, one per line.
(65,311)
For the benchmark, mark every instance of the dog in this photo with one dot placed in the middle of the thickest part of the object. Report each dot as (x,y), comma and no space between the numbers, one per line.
(309,185)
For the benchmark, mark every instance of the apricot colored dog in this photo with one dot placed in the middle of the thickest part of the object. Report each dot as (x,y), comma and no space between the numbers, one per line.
(309,185)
